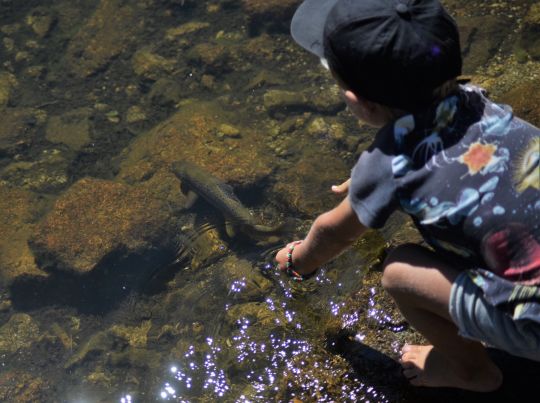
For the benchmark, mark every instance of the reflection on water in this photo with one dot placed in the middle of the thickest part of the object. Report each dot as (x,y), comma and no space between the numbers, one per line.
(111,287)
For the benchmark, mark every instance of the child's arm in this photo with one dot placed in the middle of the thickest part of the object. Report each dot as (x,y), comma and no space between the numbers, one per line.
(330,234)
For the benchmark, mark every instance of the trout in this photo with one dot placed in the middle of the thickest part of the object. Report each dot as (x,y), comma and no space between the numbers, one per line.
(221,196)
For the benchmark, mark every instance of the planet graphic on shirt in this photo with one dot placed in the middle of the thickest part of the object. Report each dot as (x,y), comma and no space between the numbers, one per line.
(527,167)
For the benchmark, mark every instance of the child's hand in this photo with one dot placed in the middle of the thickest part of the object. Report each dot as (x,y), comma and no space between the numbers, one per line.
(281,257)
(341,189)
(285,262)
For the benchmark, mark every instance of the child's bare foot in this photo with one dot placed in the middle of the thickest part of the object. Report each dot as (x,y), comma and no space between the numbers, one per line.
(426,366)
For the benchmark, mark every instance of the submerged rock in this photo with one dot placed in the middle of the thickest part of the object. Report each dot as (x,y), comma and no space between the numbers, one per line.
(97,218)
(21,387)
(21,331)
(270,14)
(190,135)
(41,20)
(46,174)
(244,281)
(73,128)
(19,128)
(151,65)
(7,83)
(108,32)
(530,33)
(480,38)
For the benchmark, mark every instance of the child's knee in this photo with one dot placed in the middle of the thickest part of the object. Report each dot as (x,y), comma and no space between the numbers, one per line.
(397,265)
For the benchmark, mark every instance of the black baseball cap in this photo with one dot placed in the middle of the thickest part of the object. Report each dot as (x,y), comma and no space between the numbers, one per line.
(394,52)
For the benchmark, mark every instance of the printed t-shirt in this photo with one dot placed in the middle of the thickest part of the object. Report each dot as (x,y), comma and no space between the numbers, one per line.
(468,173)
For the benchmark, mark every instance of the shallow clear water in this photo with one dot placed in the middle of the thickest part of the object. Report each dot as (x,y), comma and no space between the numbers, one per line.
(113,290)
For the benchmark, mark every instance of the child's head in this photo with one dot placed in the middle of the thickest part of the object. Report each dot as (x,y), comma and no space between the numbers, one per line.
(396,53)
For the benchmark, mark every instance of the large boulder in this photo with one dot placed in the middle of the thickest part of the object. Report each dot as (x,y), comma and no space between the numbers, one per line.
(96,218)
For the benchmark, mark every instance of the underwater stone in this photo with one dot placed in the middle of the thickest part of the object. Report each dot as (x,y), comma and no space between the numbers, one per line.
(190,135)
(244,281)
(73,128)
(8,83)
(151,65)
(41,21)
(272,15)
(21,331)
(187,28)
(21,387)
(17,211)
(136,336)
(109,31)
(530,33)
(96,218)
(480,38)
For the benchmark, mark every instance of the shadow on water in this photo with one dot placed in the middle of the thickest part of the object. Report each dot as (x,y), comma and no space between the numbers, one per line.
(96,292)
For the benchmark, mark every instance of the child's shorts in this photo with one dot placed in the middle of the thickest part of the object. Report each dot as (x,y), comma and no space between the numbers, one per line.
(478,320)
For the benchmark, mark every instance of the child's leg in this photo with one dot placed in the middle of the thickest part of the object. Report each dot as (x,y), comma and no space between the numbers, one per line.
(420,283)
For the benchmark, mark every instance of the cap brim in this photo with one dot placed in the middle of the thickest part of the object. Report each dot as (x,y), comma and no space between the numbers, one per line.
(307,26)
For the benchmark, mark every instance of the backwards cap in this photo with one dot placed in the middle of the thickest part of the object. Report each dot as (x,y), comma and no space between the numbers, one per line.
(394,52)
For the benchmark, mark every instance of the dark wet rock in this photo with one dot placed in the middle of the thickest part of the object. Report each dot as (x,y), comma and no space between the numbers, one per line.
(19,128)
(480,40)
(244,281)
(524,99)
(18,209)
(107,33)
(21,387)
(190,135)
(269,14)
(530,32)
(73,128)
(97,218)
(20,332)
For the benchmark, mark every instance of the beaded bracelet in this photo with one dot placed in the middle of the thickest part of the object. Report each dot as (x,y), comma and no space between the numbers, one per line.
(289,267)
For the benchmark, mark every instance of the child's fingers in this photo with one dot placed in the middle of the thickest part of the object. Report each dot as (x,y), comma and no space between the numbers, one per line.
(341,189)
